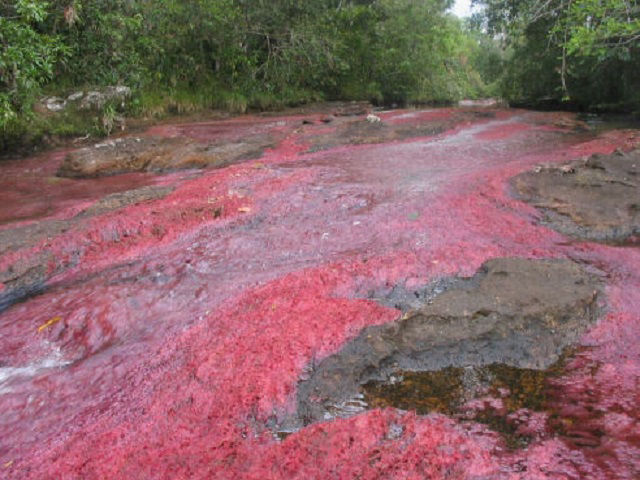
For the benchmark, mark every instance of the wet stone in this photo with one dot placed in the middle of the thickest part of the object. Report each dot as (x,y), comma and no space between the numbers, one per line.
(514,318)
(124,199)
(596,199)
(372,129)
(157,154)
(402,298)
(497,395)
(28,276)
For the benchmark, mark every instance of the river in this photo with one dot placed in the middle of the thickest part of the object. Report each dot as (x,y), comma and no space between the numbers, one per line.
(162,334)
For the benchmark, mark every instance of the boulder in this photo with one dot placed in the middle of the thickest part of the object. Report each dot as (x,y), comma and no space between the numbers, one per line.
(96,99)
(91,100)
(55,104)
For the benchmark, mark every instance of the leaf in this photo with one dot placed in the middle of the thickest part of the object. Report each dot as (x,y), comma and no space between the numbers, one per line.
(49,323)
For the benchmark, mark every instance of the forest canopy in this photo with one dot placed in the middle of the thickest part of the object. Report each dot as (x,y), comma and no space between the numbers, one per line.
(237,53)
(583,52)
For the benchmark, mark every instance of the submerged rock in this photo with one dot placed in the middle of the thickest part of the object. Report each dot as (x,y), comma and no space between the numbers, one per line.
(515,312)
(596,199)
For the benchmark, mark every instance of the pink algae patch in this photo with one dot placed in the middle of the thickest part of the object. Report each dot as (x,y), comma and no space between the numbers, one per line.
(182,341)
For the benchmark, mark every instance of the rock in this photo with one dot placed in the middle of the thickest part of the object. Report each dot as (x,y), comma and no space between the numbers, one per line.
(74,97)
(351,109)
(23,279)
(119,200)
(96,99)
(485,102)
(55,104)
(517,312)
(28,276)
(92,100)
(358,132)
(596,199)
(139,154)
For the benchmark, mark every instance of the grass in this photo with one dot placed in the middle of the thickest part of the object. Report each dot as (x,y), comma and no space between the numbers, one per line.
(160,103)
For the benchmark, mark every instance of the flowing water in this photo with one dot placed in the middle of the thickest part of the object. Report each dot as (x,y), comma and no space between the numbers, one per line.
(166,336)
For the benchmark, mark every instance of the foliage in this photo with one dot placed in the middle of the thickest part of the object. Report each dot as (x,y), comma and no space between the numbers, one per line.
(584,51)
(603,28)
(180,56)
(27,56)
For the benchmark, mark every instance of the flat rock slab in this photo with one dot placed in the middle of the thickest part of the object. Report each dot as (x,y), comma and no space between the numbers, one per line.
(363,131)
(596,199)
(154,154)
(516,312)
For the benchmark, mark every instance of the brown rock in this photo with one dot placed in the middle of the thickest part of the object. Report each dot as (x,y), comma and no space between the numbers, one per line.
(139,154)
(596,199)
(516,312)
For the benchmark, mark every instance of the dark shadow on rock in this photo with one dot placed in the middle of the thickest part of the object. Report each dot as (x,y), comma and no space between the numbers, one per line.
(22,280)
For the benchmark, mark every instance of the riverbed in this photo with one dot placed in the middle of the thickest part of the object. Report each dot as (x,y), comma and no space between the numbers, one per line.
(157,324)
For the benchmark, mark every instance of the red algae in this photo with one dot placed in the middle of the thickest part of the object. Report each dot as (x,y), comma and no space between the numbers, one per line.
(187,321)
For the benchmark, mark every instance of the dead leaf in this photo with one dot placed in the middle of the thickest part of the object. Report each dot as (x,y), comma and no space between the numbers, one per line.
(244,209)
(47,324)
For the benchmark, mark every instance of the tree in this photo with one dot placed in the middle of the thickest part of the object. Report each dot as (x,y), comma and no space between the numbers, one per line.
(27,56)
(569,48)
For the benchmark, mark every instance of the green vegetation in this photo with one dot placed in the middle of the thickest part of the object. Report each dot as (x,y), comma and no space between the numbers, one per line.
(583,53)
(27,60)
(182,56)
(185,56)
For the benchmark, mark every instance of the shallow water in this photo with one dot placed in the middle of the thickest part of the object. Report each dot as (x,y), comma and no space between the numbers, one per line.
(515,402)
(187,321)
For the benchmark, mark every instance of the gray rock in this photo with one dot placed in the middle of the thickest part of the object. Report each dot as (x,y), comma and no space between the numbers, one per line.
(96,99)
(518,312)
(75,96)
(55,104)
(91,100)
